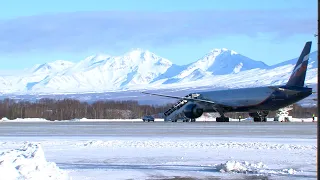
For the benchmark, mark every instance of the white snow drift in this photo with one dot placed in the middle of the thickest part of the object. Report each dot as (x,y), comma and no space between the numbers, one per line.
(29,163)
(247,167)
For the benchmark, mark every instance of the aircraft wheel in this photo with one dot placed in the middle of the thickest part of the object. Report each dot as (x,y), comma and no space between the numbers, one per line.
(260,119)
(256,119)
(222,119)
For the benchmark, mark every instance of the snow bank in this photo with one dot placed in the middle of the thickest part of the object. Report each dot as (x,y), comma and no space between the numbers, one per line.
(72,120)
(192,144)
(240,167)
(250,168)
(201,119)
(4,119)
(303,120)
(25,120)
(29,163)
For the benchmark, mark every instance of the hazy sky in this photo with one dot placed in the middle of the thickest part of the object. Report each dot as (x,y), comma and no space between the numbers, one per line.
(37,31)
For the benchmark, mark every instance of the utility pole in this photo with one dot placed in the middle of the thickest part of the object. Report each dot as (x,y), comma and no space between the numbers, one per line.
(318,96)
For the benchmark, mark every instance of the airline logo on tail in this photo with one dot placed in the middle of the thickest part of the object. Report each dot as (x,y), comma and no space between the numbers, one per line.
(302,67)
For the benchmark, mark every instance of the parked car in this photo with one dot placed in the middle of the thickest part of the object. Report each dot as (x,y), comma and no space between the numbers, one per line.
(148,118)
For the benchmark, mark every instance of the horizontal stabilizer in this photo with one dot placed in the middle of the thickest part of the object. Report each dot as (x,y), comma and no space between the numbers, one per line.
(287,91)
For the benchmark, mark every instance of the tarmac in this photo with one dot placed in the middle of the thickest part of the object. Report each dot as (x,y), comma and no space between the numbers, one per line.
(161,129)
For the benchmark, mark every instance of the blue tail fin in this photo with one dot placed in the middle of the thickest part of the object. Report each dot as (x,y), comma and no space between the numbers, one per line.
(299,72)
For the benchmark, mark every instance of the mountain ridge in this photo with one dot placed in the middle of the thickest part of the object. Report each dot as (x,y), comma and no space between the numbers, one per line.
(142,69)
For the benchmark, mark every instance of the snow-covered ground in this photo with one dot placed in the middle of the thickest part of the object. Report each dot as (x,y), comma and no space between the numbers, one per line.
(28,162)
(176,152)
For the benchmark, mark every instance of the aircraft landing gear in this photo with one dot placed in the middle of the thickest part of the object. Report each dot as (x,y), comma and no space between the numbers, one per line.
(222,119)
(260,119)
(260,116)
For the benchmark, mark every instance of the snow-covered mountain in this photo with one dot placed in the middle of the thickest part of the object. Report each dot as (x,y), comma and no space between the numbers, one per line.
(142,69)
(94,73)
(53,67)
(216,62)
(312,61)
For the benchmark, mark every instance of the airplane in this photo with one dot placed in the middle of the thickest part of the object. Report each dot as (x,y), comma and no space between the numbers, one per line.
(257,101)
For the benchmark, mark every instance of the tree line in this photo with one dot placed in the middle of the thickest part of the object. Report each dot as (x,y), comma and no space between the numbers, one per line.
(66,109)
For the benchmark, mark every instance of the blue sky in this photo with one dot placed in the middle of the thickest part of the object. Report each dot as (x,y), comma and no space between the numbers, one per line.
(37,31)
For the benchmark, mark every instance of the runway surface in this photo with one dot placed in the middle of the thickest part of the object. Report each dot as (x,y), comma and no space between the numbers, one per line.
(165,129)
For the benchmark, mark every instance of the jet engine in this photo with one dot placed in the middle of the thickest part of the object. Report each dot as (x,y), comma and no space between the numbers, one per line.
(192,111)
